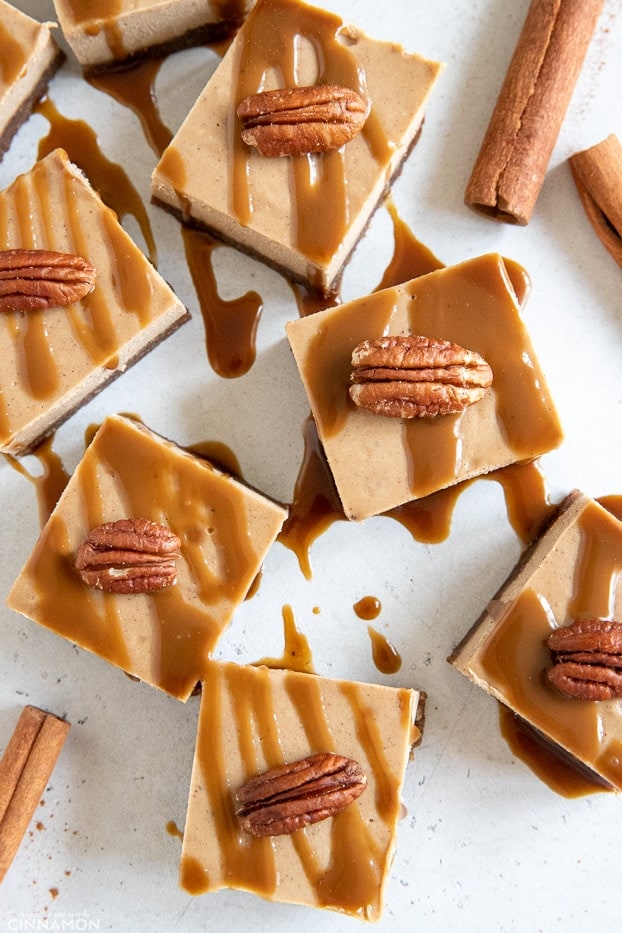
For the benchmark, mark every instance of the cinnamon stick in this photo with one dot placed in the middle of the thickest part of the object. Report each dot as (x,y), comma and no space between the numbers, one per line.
(598,176)
(513,159)
(25,769)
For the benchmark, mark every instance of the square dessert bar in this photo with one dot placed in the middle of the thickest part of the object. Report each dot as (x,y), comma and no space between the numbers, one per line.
(107,33)
(29,56)
(54,359)
(162,636)
(572,572)
(253,719)
(381,462)
(301,213)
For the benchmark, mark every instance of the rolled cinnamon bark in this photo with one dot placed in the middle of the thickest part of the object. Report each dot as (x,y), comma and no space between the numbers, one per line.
(25,769)
(512,162)
(598,176)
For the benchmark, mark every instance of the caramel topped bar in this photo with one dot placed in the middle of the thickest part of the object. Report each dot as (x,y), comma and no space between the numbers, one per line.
(54,359)
(252,719)
(379,463)
(304,213)
(163,637)
(573,571)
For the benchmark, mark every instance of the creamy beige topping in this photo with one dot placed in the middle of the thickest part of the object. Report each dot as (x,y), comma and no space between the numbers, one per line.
(380,463)
(304,213)
(253,718)
(575,571)
(103,31)
(54,360)
(162,638)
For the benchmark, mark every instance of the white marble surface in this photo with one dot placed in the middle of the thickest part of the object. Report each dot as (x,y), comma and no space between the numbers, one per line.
(485,845)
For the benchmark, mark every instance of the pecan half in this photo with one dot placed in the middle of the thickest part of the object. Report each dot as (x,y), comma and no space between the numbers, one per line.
(416,377)
(587,659)
(32,279)
(294,121)
(131,555)
(294,795)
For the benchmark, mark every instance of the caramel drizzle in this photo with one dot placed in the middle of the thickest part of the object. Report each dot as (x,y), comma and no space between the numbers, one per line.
(185,628)
(345,883)
(108,178)
(13,56)
(518,644)
(36,366)
(435,448)
(319,195)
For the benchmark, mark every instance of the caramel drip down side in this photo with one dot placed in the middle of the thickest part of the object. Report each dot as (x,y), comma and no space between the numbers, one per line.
(13,57)
(82,11)
(273,33)
(98,15)
(108,178)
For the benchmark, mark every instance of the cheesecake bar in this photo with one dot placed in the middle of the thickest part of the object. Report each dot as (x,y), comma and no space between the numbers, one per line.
(29,57)
(381,462)
(254,719)
(55,358)
(112,597)
(566,590)
(108,33)
(302,213)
